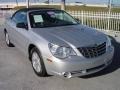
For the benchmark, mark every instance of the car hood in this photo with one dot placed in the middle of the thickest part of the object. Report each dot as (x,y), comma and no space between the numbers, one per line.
(77,35)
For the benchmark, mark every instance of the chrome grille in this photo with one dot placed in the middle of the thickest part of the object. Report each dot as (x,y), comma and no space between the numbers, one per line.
(92,52)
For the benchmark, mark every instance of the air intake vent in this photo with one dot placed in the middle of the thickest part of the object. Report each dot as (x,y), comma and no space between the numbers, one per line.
(94,51)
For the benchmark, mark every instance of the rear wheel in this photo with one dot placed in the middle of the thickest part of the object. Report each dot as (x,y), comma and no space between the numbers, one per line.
(7,40)
(37,62)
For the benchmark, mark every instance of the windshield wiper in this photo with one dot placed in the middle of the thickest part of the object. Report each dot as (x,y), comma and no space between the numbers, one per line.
(67,24)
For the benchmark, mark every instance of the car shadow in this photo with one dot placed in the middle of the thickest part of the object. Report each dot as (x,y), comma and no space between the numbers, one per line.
(113,66)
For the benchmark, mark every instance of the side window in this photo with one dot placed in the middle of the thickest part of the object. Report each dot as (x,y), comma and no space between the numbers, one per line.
(15,17)
(23,17)
(20,17)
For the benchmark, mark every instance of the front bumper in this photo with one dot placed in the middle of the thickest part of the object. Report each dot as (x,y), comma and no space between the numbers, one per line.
(80,66)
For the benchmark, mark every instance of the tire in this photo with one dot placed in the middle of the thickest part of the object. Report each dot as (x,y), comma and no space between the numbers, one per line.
(7,40)
(37,62)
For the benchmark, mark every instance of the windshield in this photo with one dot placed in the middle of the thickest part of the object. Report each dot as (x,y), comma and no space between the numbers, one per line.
(50,18)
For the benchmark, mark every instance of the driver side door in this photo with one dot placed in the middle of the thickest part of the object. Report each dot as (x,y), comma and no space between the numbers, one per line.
(19,35)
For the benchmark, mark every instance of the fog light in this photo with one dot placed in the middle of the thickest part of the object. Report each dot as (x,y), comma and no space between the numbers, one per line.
(67,75)
(84,71)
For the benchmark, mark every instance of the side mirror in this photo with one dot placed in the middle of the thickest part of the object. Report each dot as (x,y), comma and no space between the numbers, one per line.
(78,20)
(22,25)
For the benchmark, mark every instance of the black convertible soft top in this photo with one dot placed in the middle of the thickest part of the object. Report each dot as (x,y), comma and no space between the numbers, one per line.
(36,8)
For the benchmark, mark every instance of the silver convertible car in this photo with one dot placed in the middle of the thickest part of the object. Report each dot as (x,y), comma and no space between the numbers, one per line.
(56,43)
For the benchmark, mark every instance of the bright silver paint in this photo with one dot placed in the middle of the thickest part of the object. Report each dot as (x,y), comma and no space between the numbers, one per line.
(73,36)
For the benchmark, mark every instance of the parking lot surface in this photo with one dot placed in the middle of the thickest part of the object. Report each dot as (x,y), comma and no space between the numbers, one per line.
(16,73)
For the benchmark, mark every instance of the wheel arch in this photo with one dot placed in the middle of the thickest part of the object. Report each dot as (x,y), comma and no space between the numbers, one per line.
(5,30)
(30,47)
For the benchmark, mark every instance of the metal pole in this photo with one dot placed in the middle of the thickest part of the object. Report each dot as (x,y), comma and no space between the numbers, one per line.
(82,17)
(48,2)
(62,4)
(17,2)
(28,3)
(109,12)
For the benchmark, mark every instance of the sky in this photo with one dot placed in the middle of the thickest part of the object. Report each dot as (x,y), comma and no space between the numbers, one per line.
(83,1)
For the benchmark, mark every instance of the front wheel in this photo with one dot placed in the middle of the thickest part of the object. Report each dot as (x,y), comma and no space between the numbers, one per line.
(37,62)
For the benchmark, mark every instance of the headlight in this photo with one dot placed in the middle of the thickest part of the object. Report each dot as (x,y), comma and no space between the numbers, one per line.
(108,42)
(61,51)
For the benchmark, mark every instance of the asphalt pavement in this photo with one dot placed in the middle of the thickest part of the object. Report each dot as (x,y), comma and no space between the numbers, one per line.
(16,73)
